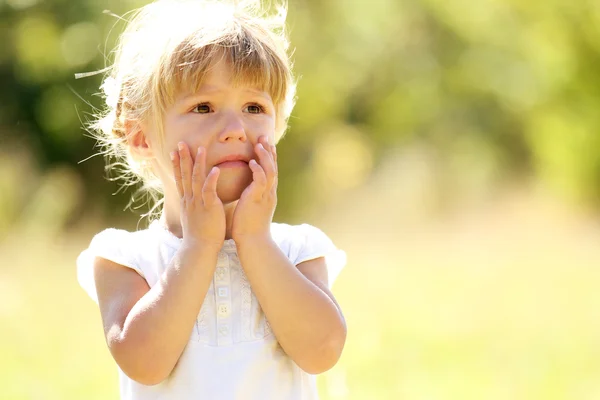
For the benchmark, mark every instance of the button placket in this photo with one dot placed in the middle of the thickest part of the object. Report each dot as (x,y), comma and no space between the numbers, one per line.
(246,293)
(202,323)
(223,300)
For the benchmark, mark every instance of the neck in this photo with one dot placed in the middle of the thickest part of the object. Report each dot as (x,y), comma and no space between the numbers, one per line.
(171,216)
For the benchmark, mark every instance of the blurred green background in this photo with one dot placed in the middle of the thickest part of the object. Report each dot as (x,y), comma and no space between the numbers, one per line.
(450,147)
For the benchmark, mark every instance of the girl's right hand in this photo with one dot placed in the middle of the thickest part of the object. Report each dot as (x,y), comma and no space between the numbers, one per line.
(202,212)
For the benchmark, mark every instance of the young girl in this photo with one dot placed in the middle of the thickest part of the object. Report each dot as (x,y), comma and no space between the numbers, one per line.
(213,300)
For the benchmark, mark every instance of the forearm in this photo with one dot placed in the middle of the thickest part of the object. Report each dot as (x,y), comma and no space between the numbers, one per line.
(305,319)
(158,326)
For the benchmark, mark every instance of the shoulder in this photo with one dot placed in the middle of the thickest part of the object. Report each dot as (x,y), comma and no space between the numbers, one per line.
(295,232)
(114,237)
(120,243)
(306,242)
(291,237)
(116,245)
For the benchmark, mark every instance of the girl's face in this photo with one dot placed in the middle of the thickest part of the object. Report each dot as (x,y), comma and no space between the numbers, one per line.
(227,121)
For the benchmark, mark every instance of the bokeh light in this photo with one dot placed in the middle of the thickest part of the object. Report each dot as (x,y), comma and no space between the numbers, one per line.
(451,148)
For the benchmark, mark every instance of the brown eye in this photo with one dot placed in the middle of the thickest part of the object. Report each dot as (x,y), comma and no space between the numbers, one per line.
(203,108)
(254,109)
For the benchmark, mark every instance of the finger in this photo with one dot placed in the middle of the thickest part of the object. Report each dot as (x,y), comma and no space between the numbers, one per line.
(276,178)
(264,140)
(267,164)
(199,172)
(265,158)
(271,179)
(186,169)
(259,180)
(274,153)
(209,190)
(176,171)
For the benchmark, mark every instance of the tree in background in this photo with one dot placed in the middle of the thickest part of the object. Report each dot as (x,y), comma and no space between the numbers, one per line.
(492,90)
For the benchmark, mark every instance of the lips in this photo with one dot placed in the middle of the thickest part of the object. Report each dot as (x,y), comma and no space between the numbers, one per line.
(233,160)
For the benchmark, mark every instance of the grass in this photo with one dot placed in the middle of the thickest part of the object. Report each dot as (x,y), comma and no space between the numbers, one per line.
(499,302)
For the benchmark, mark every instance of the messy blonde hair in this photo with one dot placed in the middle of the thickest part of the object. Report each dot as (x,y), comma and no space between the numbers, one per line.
(167,47)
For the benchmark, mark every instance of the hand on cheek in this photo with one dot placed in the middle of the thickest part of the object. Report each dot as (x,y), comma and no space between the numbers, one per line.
(254,212)
(202,213)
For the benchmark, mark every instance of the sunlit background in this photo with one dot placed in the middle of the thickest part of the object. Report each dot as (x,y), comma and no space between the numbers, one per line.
(452,148)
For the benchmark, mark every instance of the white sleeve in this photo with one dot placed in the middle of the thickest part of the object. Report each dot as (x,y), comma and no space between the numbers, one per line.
(111,244)
(314,244)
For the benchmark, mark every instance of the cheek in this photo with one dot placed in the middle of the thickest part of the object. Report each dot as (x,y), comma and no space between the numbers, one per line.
(163,165)
(260,128)
(189,131)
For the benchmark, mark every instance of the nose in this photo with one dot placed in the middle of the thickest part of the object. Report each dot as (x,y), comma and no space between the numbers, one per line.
(233,129)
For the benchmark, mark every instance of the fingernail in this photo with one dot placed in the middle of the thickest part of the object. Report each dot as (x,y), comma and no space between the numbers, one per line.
(180,145)
(172,155)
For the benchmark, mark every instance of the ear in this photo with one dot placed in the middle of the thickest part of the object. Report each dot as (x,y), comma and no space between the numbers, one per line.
(137,140)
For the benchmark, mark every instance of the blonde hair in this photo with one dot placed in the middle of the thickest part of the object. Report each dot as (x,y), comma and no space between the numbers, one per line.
(169,45)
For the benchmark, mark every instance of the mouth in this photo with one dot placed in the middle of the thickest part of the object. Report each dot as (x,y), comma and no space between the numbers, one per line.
(232,164)
(233,161)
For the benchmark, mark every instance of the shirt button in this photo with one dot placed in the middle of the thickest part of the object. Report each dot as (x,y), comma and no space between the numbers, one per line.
(220,273)
(223,292)
(223,310)
(223,330)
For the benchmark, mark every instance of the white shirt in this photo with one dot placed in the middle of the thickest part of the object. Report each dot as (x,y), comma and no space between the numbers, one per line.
(231,353)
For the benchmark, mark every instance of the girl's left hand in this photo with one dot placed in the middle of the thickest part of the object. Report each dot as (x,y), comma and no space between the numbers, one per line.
(254,212)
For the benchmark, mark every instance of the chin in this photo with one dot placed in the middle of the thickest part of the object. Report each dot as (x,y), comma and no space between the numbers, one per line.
(230,190)
(229,196)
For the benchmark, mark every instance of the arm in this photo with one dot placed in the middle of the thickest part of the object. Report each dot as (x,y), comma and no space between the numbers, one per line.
(147,329)
(301,310)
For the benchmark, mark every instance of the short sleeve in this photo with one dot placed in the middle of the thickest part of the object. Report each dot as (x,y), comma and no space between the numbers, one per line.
(314,244)
(111,244)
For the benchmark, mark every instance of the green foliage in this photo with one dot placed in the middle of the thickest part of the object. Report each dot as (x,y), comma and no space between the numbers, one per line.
(474,93)
(507,86)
